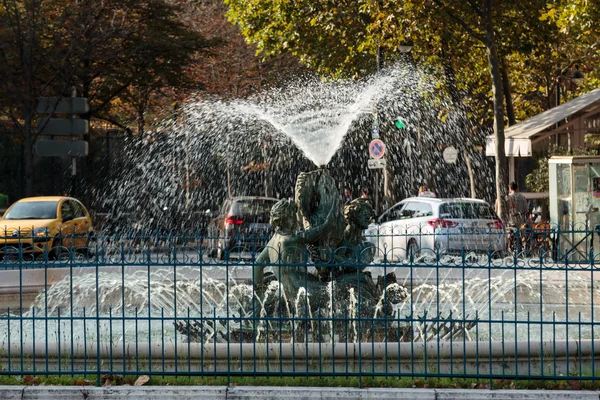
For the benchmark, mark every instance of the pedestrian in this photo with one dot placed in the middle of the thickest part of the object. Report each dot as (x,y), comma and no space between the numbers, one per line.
(425,192)
(517,206)
(347,195)
(364,193)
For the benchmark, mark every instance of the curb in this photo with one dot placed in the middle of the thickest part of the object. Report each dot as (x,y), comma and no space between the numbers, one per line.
(277,393)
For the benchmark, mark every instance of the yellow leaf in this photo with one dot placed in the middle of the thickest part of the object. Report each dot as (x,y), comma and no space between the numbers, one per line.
(141,380)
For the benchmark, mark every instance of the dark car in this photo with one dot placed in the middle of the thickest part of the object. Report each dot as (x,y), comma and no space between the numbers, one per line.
(241,226)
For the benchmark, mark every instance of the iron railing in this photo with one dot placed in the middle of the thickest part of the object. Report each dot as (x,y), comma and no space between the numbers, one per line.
(161,304)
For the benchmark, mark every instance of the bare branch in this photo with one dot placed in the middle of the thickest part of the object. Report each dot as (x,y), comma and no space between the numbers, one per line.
(476,8)
(114,122)
(461,22)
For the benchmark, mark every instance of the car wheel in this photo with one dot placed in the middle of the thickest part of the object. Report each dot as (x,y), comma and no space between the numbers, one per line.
(212,252)
(57,251)
(213,243)
(85,254)
(413,248)
(91,245)
(498,254)
(40,257)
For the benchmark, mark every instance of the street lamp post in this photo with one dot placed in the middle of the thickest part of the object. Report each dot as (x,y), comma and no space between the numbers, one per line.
(379,58)
(404,50)
(575,78)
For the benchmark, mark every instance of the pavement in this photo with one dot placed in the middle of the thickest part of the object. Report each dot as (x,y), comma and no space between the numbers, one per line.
(278,393)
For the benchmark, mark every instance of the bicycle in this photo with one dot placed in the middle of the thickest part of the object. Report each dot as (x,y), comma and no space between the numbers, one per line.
(531,239)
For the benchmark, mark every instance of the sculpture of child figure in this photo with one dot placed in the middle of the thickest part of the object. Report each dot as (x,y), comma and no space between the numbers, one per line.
(358,213)
(286,251)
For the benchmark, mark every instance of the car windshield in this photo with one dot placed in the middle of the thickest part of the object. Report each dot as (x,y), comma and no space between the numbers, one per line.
(254,210)
(32,210)
(467,210)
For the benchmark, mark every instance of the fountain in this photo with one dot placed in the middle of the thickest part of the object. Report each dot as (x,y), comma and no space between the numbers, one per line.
(214,149)
(312,293)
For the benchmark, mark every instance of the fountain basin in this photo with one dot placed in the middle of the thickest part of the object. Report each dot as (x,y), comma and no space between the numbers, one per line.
(538,358)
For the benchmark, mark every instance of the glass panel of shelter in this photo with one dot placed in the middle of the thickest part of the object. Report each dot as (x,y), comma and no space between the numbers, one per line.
(579,205)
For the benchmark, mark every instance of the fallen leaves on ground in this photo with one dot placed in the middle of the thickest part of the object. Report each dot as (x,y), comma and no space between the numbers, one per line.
(141,380)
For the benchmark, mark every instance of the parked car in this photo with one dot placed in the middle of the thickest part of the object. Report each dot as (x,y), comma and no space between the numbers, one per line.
(241,225)
(45,225)
(446,225)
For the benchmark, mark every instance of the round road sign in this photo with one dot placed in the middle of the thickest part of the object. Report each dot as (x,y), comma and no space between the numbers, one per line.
(450,155)
(376,148)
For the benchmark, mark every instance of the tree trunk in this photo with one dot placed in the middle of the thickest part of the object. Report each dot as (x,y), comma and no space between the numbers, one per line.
(86,163)
(268,185)
(449,72)
(28,116)
(28,156)
(229,188)
(456,99)
(141,123)
(471,175)
(501,179)
(510,109)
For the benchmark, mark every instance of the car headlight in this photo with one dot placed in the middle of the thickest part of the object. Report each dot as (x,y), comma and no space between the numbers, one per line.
(41,234)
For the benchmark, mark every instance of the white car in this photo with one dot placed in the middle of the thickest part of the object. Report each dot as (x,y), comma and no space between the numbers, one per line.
(423,224)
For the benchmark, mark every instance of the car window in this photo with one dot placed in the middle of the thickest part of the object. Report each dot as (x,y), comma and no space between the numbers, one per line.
(257,210)
(32,210)
(392,214)
(225,208)
(467,210)
(66,210)
(415,209)
(78,211)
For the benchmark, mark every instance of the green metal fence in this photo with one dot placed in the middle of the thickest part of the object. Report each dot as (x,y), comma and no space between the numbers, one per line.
(167,305)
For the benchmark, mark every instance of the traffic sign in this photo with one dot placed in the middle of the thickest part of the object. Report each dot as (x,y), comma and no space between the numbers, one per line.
(376,163)
(63,127)
(375,132)
(376,148)
(56,105)
(61,148)
(450,155)
(375,129)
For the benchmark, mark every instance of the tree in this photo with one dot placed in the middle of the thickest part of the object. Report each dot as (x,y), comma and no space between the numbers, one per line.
(131,46)
(232,69)
(479,24)
(359,29)
(330,37)
(31,38)
(106,49)
(578,23)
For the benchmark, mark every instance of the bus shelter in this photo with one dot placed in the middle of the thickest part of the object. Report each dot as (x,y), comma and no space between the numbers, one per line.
(575,202)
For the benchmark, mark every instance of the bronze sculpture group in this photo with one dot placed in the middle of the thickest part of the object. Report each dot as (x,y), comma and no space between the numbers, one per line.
(331,240)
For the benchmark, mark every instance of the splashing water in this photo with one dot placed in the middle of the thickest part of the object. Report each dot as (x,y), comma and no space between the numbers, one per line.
(214,149)
(319,123)
(146,305)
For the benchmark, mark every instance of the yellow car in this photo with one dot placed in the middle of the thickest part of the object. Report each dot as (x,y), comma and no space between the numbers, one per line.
(45,225)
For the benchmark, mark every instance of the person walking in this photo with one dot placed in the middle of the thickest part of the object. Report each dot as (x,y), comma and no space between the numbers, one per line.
(517,217)
(517,206)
